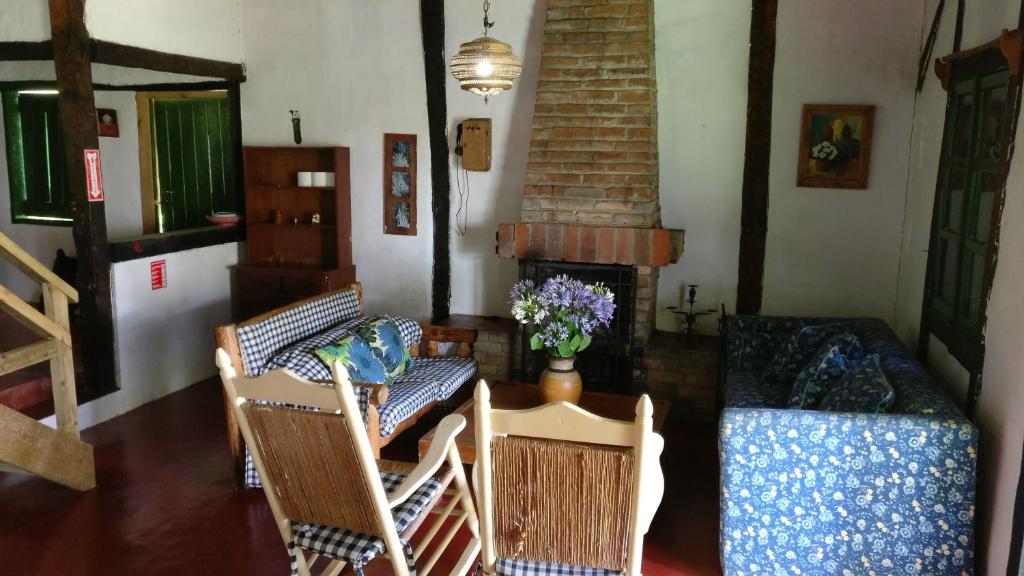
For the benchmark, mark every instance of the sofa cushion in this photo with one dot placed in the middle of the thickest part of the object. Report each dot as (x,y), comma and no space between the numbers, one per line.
(796,349)
(386,341)
(863,389)
(751,340)
(746,389)
(824,369)
(300,357)
(358,357)
(259,341)
(431,380)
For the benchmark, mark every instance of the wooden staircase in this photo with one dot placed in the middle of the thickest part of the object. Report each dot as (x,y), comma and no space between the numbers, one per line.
(25,444)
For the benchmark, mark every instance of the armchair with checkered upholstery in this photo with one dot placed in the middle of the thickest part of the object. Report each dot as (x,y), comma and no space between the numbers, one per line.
(332,501)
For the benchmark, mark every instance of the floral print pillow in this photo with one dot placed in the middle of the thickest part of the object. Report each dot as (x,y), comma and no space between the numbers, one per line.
(824,369)
(385,338)
(864,389)
(356,355)
(794,351)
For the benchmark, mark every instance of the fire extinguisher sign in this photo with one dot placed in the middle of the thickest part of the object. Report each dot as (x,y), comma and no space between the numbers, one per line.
(93,175)
(157,274)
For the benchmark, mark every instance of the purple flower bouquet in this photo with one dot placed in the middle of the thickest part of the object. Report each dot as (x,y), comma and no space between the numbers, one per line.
(565,310)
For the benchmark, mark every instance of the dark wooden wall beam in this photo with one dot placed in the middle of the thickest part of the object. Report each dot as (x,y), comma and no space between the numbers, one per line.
(26,50)
(757,158)
(436,71)
(78,125)
(104,52)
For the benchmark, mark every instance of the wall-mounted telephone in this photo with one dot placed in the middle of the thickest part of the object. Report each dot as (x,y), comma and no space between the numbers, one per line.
(473,143)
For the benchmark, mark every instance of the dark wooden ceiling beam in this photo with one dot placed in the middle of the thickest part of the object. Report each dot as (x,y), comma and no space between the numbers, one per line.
(103,52)
(757,158)
(78,126)
(17,51)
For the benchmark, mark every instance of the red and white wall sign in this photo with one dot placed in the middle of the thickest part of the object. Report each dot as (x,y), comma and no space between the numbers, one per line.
(93,175)
(158,274)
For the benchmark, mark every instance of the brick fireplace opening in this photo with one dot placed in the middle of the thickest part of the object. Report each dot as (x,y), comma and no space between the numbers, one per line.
(591,194)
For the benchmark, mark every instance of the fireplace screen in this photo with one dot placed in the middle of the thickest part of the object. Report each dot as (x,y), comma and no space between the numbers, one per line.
(607,364)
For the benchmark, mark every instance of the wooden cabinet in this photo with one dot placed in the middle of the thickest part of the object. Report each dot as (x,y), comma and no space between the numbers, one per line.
(290,256)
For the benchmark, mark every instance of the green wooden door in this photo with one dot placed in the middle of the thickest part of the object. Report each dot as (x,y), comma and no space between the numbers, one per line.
(193,156)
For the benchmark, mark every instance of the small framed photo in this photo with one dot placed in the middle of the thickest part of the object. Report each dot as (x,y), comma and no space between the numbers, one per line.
(400,184)
(106,120)
(835,146)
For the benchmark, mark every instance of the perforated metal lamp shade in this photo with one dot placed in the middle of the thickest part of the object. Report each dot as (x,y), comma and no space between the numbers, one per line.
(486,66)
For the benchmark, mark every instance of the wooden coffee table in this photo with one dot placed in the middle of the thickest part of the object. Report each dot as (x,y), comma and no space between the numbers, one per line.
(518,396)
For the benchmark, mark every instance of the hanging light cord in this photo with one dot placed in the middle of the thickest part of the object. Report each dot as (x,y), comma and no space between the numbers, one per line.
(488,23)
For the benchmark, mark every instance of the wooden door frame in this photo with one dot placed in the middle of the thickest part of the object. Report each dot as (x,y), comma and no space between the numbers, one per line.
(142,105)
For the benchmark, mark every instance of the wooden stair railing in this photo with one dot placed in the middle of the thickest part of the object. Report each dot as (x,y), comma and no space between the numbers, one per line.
(25,444)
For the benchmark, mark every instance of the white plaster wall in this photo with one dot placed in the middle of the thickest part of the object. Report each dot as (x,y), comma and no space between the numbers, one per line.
(354,70)
(1002,400)
(836,252)
(203,28)
(120,160)
(25,21)
(481,280)
(702,99)
(164,338)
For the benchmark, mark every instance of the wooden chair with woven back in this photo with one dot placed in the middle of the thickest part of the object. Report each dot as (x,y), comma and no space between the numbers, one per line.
(333,503)
(563,491)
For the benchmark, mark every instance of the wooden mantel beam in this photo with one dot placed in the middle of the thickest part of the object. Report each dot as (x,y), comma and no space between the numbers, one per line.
(73,67)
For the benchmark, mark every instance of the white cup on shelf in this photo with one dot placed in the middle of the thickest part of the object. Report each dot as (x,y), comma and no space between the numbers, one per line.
(305,179)
(320,179)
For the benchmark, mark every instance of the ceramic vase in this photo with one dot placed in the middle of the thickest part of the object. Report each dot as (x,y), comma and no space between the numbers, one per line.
(560,381)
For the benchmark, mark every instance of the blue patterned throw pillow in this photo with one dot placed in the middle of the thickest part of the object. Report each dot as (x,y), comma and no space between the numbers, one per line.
(797,348)
(356,355)
(386,340)
(864,388)
(825,367)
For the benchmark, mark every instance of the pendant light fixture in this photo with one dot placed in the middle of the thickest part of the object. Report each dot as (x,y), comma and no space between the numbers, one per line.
(486,66)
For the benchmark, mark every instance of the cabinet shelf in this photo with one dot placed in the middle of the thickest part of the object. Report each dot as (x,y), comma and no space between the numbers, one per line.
(288,262)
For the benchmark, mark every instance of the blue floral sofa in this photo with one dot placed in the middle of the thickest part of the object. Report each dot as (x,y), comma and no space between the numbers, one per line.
(812,492)
(289,337)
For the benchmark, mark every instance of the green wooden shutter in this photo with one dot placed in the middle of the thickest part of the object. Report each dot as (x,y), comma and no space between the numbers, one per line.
(969,177)
(35,158)
(194,160)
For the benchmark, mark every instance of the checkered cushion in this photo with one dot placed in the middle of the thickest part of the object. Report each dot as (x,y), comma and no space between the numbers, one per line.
(429,380)
(362,394)
(259,341)
(300,357)
(510,567)
(359,549)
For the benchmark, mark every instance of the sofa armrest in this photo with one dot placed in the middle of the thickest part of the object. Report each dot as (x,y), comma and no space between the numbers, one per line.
(433,336)
(828,492)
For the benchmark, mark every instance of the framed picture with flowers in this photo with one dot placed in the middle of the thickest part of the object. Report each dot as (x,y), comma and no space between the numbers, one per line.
(835,146)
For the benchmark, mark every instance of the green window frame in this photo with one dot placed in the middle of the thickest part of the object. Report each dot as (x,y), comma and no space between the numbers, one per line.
(968,188)
(36,169)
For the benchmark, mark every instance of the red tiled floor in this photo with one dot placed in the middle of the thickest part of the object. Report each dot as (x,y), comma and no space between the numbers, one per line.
(165,503)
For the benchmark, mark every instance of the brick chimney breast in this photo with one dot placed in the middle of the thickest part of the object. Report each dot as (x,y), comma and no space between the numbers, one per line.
(594,145)
(591,193)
